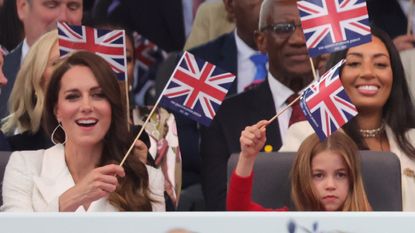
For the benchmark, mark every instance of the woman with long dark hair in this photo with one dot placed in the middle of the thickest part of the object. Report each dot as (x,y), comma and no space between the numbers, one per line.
(374,79)
(85,117)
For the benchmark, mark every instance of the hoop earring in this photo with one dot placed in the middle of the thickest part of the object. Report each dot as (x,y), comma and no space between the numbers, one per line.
(52,136)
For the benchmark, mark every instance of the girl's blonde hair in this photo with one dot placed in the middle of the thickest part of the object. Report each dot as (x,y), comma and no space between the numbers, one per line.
(303,192)
(27,98)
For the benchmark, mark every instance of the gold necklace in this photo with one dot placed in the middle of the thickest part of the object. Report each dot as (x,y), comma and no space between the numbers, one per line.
(372,133)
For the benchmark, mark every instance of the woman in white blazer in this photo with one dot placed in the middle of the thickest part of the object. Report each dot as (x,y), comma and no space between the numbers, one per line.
(85,116)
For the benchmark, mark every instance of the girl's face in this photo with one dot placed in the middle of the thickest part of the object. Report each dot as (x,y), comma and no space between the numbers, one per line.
(330,179)
(367,75)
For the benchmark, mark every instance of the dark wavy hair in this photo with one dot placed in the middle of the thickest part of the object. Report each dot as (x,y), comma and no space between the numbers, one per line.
(398,111)
(132,193)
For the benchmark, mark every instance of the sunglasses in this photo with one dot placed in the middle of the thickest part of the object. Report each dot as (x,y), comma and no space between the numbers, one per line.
(282,29)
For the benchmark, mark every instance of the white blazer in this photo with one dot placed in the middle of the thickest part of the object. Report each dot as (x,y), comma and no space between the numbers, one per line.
(34,180)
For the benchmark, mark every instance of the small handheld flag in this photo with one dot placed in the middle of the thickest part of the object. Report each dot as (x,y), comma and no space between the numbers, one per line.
(196,89)
(326,104)
(109,44)
(333,25)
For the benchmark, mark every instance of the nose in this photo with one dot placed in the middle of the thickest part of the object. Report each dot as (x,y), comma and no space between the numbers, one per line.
(64,15)
(367,70)
(330,183)
(86,106)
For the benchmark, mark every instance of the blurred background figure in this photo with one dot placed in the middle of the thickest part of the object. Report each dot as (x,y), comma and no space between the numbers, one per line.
(392,17)
(4,144)
(37,19)
(11,30)
(26,103)
(211,21)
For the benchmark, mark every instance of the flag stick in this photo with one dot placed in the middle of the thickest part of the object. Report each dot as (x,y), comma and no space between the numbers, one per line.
(283,110)
(313,69)
(127,99)
(146,122)
(410,15)
(296,99)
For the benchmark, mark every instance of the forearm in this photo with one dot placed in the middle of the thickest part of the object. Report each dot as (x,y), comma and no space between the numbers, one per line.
(70,201)
(245,165)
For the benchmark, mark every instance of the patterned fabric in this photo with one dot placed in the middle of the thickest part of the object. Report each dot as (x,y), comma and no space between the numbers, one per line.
(164,148)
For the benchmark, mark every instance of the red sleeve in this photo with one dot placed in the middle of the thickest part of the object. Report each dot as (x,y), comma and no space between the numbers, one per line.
(239,195)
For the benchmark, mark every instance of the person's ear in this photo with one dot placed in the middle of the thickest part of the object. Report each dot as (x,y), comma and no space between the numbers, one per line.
(261,41)
(229,7)
(22,7)
(57,114)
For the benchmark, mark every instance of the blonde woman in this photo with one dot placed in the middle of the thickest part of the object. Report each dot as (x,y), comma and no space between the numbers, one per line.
(26,102)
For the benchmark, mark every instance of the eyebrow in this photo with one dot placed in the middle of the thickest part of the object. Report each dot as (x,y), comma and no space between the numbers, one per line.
(361,55)
(76,89)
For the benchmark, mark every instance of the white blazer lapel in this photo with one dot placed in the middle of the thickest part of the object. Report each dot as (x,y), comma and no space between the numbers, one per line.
(54,178)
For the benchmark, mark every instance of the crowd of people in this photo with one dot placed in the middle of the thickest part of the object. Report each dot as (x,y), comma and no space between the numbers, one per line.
(69,122)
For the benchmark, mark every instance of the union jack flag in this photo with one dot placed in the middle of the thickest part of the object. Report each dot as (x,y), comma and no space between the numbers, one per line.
(109,44)
(333,25)
(147,55)
(326,104)
(196,89)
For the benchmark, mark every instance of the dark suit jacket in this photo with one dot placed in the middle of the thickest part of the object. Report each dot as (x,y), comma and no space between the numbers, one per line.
(4,144)
(161,21)
(10,67)
(28,141)
(388,15)
(221,139)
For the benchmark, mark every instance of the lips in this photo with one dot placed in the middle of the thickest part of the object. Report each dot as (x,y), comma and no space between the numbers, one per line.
(298,56)
(330,197)
(368,89)
(86,122)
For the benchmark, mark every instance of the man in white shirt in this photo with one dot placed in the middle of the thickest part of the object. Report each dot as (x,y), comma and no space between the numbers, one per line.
(289,71)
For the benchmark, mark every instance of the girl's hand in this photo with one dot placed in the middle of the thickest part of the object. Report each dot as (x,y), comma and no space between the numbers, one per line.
(253,139)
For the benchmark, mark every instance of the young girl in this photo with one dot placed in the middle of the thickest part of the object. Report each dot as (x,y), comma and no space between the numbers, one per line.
(325,175)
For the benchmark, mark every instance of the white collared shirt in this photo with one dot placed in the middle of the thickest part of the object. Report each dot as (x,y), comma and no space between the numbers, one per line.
(246,68)
(25,50)
(280,93)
